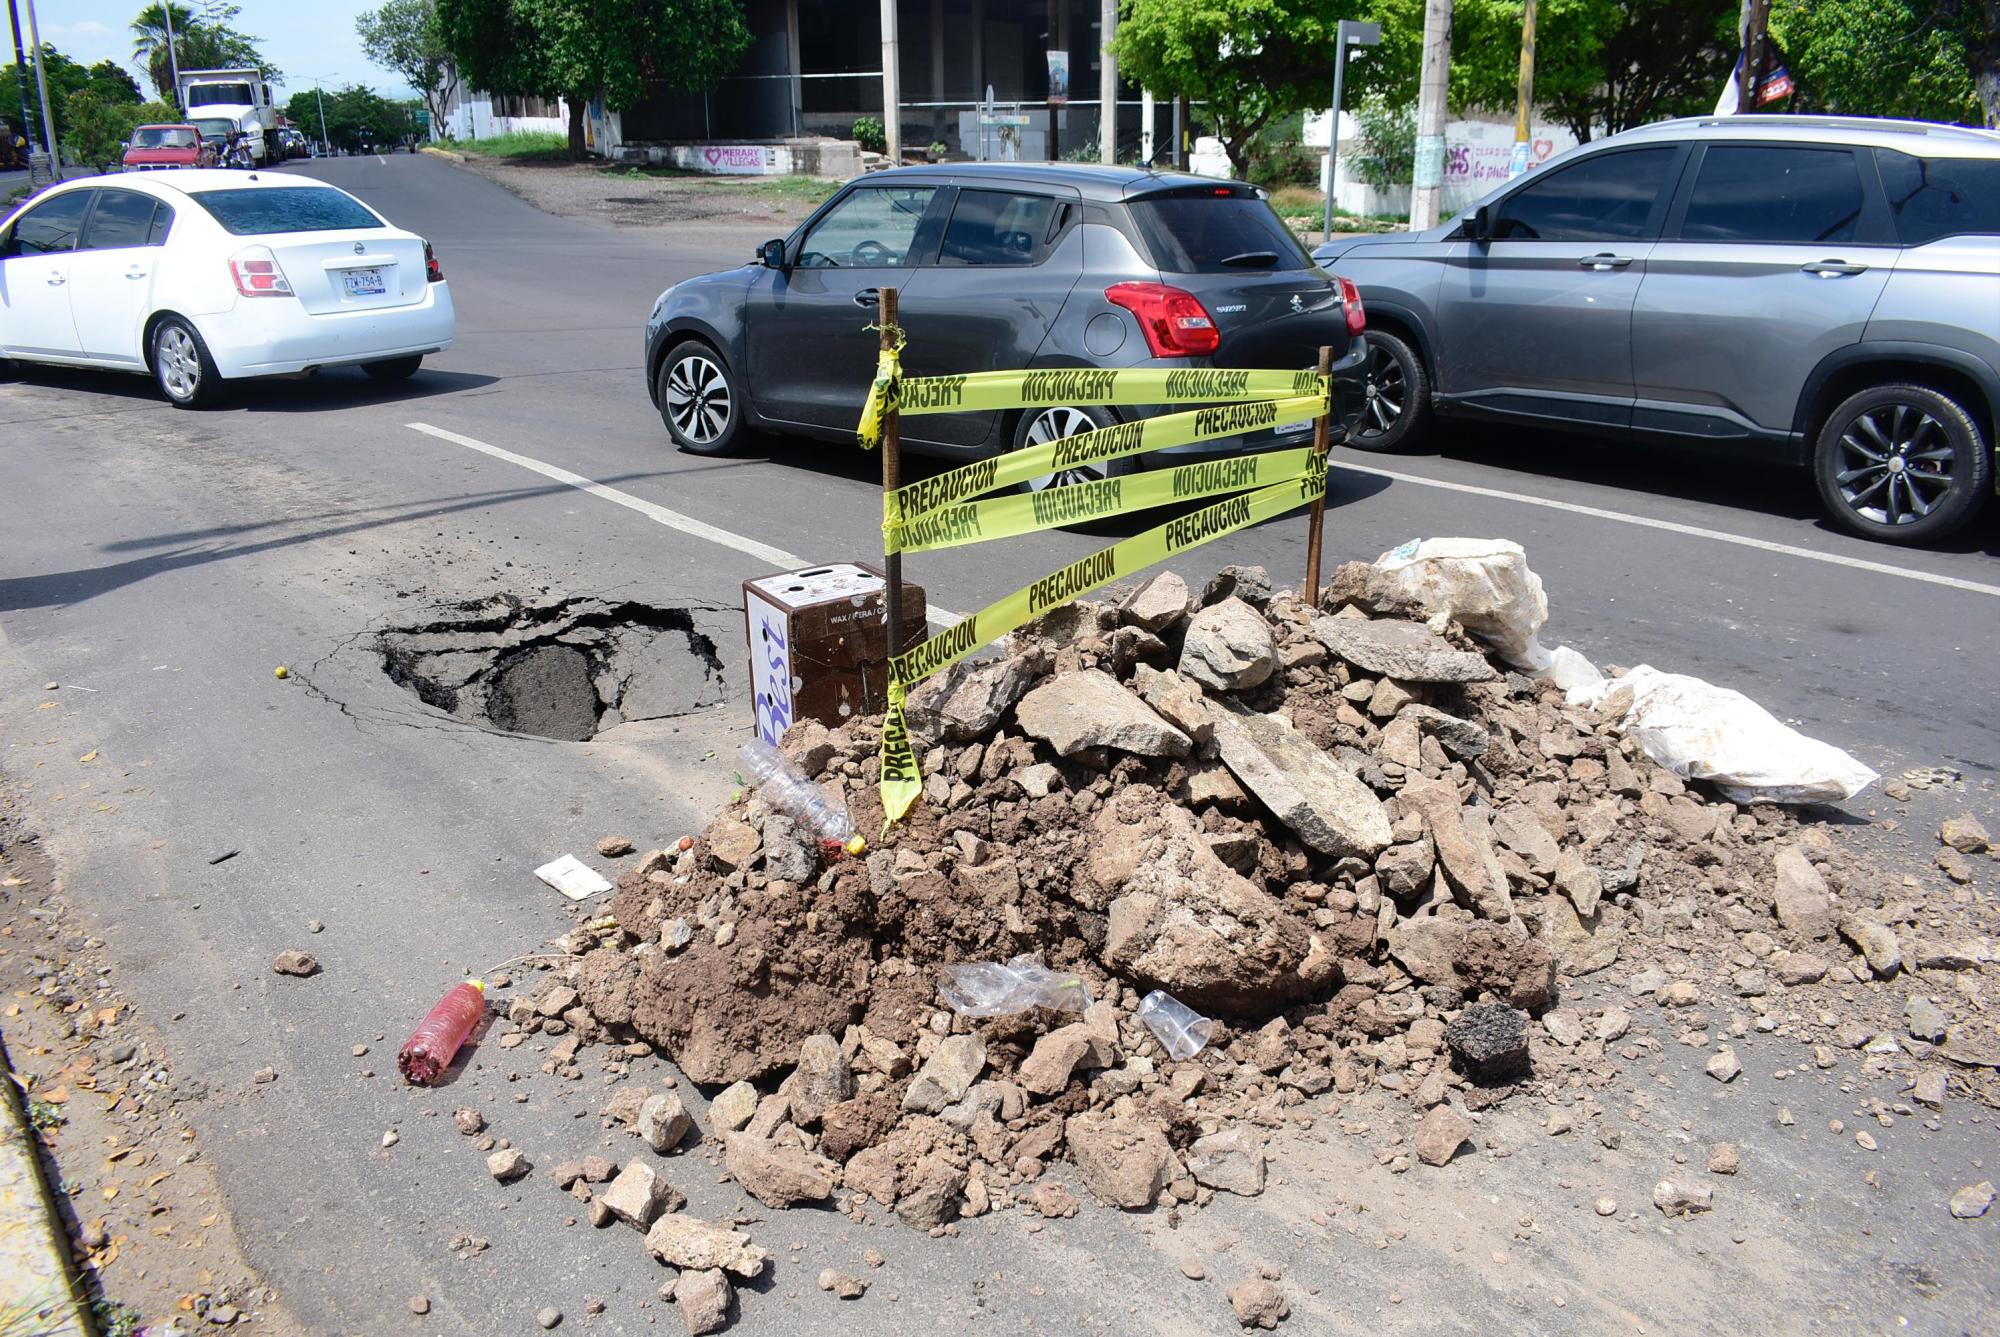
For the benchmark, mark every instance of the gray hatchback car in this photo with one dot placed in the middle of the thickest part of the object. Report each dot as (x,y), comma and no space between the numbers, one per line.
(1826,290)
(998,267)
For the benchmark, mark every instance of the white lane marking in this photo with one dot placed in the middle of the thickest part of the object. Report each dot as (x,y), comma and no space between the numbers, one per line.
(686,524)
(1695,531)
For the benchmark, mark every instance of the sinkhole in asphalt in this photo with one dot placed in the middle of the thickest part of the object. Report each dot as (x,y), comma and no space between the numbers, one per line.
(569,669)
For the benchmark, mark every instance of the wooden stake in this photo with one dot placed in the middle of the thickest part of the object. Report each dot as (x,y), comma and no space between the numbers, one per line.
(1322,432)
(892,478)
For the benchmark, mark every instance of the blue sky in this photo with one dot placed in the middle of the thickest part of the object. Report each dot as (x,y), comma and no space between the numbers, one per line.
(301,37)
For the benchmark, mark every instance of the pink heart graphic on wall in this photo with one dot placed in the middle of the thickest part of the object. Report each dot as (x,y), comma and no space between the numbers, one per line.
(1543,148)
(714,156)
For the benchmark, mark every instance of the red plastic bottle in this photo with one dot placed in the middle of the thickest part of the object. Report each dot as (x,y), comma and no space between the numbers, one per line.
(432,1046)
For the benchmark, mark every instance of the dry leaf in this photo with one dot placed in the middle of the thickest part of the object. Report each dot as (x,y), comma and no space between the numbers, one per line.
(211,1219)
(154,1182)
(110,1192)
(88,757)
(56,1095)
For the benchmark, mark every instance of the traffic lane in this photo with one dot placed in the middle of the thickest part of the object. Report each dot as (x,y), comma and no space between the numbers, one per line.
(169,565)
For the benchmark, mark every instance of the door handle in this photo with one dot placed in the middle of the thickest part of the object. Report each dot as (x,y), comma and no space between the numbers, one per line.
(57,280)
(1832,269)
(135,273)
(868,297)
(1604,261)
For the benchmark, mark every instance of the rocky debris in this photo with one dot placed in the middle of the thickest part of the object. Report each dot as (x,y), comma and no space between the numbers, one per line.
(1490,1042)
(1801,897)
(1404,651)
(639,1194)
(1251,584)
(1875,941)
(614,847)
(1924,1019)
(1159,602)
(1970,1203)
(1331,810)
(1124,1160)
(779,1174)
(548,1316)
(508,1165)
(948,1075)
(468,1121)
(1965,834)
(1676,1198)
(821,1080)
(1441,1133)
(1258,1303)
(842,1285)
(1231,1160)
(682,1241)
(1089,709)
(704,1296)
(968,700)
(292,961)
(1228,647)
(1724,1159)
(663,1121)
(734,1107)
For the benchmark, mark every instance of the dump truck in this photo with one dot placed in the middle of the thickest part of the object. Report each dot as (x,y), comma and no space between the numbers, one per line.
(237,101)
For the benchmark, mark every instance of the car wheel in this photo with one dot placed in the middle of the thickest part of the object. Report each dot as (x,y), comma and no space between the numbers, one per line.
(181,365)
(1903,464)
(698,400)
(1038,427)
(1396,397)
(395,368)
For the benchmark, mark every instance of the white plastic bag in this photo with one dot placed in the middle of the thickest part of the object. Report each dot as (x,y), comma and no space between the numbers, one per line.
(1703,732)
(989,989)
(1482,584)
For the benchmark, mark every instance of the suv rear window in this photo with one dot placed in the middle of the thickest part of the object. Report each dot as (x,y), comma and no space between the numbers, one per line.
(1203,231)
(254,212)
(1941,197)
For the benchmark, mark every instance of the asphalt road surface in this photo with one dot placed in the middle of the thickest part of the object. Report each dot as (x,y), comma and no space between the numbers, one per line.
(160,565)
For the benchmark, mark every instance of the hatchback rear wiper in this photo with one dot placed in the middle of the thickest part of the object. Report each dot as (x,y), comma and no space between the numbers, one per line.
(1248,259)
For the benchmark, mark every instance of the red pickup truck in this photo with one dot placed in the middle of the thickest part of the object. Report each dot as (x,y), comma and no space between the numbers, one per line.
(154,147)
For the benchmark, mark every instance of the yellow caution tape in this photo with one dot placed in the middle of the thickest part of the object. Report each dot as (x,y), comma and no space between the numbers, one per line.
(1092,385)
(882,393)
(909,503)
(1081,503)
(902,782)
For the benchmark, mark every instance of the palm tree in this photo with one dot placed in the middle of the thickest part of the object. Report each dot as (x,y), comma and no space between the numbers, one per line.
(149,43)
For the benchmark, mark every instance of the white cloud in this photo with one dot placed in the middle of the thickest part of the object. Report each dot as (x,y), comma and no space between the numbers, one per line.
(71,31)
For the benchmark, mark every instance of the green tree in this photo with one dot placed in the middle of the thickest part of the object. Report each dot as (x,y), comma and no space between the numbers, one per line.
(103,80)
(1931,62)
(349,111)
(204,41)
(405,36)
(580,50)
(95,128)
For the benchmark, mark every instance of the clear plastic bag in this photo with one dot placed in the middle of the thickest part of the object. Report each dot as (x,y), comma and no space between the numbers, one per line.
(990,989)
(1183,1031)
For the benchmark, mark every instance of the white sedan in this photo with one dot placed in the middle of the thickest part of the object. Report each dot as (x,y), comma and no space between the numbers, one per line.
(205,276)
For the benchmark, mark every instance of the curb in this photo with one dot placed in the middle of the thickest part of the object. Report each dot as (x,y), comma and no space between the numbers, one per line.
(446,154)
(34,1248)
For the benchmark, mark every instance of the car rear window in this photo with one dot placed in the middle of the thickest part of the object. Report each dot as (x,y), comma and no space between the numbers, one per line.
(153,137)
(1207,231)
(1941,197)
(259,212)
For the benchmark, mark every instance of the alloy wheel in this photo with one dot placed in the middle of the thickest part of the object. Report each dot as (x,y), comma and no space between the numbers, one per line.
(1897,464)
(1053,424)
(1385,394)
(698,399)
(180,363)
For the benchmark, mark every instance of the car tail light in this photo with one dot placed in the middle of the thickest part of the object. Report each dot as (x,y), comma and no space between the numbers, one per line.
(1357,315)
(1174,322)
(257,274)
(432,269)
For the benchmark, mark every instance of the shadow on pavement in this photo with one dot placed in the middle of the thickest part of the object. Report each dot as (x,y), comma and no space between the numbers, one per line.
(334,388)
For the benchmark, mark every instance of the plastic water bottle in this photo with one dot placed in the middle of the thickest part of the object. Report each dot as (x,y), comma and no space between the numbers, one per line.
(432,1046)
(784,789)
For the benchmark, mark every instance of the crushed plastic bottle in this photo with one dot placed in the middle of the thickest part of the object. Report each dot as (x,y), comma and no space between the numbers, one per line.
(434,1044)
(990,989)
(1183,1031)
(785,790)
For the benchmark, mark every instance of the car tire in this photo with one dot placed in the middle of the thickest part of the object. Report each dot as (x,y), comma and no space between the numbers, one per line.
(182,368)
(1902,463)
(1038,427)
(699,400)
(1396,402)
(395,368)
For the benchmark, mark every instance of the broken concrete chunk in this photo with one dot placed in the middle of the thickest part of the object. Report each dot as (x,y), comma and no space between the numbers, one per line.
(1675,1198)
(1965,834)
(948,1074)
(508,1164)
(966,702)
(1440,1135)
(1251,584)
(1258,1303)
(663,1121)
(1800,897)
(1089,708)
(778,1174)
(639,1194)
(821,1080)
(1231,1160)
(1875,942)
(1330,810)
(1490,1041)
(1229,647)
(1405,651)
(1124,1161)
(703,1298)
(682,1241)
(292,961)
(1157,604)
(1177,700)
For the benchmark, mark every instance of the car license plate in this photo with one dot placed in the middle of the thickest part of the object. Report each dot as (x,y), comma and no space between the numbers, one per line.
(363,282)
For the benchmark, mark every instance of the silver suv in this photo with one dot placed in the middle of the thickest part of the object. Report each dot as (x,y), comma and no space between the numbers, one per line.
(1824,289)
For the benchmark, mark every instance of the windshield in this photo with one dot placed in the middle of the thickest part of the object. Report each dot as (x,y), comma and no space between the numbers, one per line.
(1216,230)
(218,95)
(215,128)
(257,212)
(163,137)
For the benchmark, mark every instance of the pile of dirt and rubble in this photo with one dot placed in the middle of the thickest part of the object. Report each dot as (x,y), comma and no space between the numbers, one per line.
(1371,856)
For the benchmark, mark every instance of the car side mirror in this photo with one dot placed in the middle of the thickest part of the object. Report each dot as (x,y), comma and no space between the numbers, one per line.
(9,246)
(772,254)
(1481,224)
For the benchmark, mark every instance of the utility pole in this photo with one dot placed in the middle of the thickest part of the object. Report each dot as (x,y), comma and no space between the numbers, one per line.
(20,69)
(1107,85)
(1524,103)
(42,83)
(325,144)
(1427,194)
(1751,77)
(173,56)
(1350,35)
(892,94)
(1146,126)
(1053,36)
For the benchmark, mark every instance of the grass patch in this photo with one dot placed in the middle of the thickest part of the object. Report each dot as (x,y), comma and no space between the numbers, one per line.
(545,144)
(799,189)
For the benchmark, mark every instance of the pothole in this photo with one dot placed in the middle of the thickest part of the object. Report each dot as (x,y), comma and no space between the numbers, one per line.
(568,670)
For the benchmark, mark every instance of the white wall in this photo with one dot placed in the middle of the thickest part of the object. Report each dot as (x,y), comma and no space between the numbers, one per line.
(1476,159)
(471,117)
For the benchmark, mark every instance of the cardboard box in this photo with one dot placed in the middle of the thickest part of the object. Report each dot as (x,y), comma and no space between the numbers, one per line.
(819,644)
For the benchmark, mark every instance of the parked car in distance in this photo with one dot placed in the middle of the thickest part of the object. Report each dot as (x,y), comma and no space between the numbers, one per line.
(207,276)
(293,144)
(998,267)
(154,148)
(1822,290)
